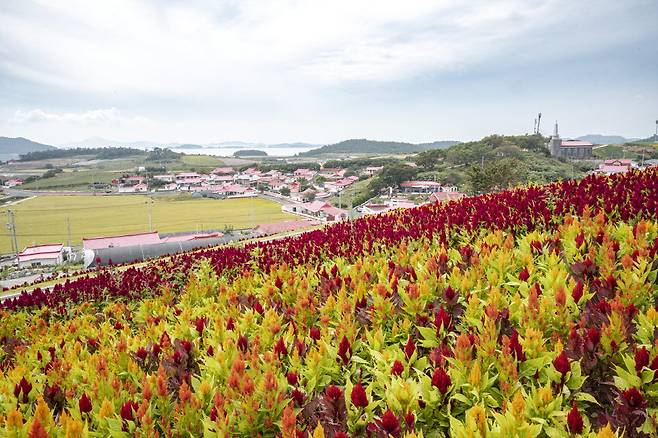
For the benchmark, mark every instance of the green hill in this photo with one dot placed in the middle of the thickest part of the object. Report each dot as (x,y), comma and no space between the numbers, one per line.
(11,148)
(364,146)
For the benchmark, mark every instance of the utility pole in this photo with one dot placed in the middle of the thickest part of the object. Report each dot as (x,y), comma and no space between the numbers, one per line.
(12,227)
(68,231)
(150,211)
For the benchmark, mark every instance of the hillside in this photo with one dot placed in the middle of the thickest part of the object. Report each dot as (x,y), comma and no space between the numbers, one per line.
(364,146)
(13,147)
(605,139)
(527,310)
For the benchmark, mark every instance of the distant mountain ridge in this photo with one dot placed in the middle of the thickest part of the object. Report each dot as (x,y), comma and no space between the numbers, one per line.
(605,139)
(365,146)
(11,148)
(99,142)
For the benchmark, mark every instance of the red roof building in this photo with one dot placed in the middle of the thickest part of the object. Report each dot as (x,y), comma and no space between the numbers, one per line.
(51,254)
(120,241)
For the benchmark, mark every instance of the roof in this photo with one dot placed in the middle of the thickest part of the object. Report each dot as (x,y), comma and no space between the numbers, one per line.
(280,227)
(611,169)
(223,170)
(121,240)
(445,196)
(334,211)
(315,206)
(619,162)
(575,143)
(42,249)
(40,252)
(420,184)
(188,237)
(188,175)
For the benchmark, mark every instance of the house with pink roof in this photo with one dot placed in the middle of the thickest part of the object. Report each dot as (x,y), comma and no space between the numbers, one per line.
(445,196)
(318,210)
(609,167)
(41,255)
(223,171)
(420,187)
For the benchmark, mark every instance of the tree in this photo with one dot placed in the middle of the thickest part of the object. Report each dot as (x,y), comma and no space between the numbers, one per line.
(285,191)
(495,175)
(392,176)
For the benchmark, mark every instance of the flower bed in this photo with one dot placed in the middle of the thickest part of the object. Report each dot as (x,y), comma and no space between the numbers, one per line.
(531,311)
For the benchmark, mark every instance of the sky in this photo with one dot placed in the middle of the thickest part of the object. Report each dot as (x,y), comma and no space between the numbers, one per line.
(271,71)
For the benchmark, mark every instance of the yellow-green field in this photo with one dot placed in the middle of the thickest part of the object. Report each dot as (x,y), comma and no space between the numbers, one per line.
(43,219)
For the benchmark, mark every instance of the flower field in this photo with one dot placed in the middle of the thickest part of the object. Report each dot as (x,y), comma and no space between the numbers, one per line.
(530,312)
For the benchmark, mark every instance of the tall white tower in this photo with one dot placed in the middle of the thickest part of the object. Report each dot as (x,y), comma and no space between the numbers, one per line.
(555,143)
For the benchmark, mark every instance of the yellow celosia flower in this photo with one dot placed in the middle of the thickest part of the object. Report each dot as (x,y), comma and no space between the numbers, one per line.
(475,375)
(106,410)
(518,405)
(606,432)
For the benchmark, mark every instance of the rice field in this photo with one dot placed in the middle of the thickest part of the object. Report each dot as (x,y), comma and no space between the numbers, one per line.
(45,219)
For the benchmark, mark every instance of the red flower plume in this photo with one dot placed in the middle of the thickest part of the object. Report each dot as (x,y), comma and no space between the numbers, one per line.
(358,396)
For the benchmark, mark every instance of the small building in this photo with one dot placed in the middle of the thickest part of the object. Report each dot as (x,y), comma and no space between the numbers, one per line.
(41,255)
(576,149)
(318,210)
(445,196)
(166,177)
(419,187)
(223,171)
(13,182)
(609,167)
(371,170)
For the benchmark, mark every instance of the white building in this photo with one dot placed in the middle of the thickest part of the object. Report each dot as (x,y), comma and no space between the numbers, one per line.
(41,255)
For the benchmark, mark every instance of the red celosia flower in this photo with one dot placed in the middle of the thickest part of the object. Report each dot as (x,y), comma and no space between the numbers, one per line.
(127,409)
(292,378)
(84,404)
(243,343)
(410,419)
(344,350)
(574,420)
(333,393)
(441,380)
(390,423)
(634,398)
(524,275)
(210,351)
(515,345)
(593,336)
(577,291)
(314,333)
(200,324)
(298,397)
(340,435)
(397,368)
(442,319)
(410,348)
(280,348)
(561,363)
(641,358)
(358,396)
(450,295)
(230,324)
(141,353)
(213,414)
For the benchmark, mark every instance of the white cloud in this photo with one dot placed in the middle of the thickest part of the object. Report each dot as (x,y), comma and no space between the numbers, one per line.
(111,116)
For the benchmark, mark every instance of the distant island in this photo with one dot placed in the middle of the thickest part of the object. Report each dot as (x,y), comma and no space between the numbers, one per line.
(250,153)
(11,148)
(605,139)
(364,146)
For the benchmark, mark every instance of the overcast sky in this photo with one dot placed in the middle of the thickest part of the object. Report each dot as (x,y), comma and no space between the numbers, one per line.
(323,71)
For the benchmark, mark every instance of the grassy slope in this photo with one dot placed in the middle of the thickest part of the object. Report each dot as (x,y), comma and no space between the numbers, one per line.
(107,170)
(43,219)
